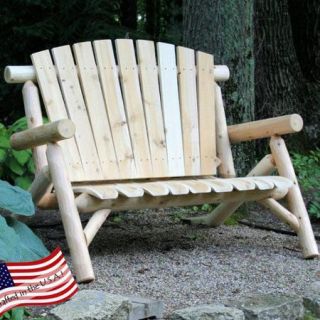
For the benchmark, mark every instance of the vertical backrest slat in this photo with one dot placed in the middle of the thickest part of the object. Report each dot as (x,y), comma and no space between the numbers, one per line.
(170,107)
(189,109)
(89,78)
(71,90)
(152,106)
(206,109)
(129,80)
(55,108)
(110,85)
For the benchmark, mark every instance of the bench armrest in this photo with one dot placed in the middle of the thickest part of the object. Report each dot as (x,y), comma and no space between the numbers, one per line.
(51,132)
(265,128)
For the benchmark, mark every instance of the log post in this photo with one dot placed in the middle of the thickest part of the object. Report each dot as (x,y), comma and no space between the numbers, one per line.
(295,200)
(265,128)
(69,214)
(41,185)
(50,132)
(95,223)
(33,113)
(226,168)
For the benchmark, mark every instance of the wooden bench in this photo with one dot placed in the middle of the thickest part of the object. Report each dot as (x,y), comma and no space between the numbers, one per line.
(143,126)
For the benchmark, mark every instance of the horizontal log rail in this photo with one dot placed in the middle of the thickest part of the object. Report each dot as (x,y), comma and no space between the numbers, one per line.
(265,128)
(51,132)
(21,74)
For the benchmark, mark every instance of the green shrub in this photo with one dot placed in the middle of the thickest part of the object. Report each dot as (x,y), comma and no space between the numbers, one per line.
(16,167)
(307,167)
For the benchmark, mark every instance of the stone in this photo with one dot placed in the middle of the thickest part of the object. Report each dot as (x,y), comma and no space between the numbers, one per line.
(94,305)
(311,298)
(208,312)
(270,306)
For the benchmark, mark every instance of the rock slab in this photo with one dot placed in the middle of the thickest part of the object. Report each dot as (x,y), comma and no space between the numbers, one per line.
(311,298)
(270,307)
(93,305)
(208,312)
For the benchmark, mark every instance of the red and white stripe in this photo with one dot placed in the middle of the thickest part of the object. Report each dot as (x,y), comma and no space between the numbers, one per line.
(24,274)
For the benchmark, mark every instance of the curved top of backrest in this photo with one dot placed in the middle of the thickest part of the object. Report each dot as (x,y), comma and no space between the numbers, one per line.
(141,111)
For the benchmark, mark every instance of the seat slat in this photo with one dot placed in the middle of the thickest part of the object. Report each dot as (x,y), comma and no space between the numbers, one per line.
(93,95)
(133,103)
(108,72)
(130,190)
(241,184)
(189,110)
(55,108)
(71,90)
(196,186)
(218,185)
(103,192)
(171,107)
(206,110)
(155,188)
(152,106)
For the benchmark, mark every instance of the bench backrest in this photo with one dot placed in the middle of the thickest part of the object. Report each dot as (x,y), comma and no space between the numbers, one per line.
(151,114)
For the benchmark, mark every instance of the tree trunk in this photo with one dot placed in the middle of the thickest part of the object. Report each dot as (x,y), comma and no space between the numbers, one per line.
(225,28)
(287,69)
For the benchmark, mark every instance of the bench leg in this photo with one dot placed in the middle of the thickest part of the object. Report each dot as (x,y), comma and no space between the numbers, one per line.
(295,201)
(70,217)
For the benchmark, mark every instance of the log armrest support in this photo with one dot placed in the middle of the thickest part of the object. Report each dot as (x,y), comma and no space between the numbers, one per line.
(265,128)
(51,132)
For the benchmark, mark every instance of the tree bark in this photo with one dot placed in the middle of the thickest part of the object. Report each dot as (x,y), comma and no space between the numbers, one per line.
(225,29)
(287,63)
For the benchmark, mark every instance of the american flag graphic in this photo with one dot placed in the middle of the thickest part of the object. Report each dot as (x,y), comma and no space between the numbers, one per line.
(41,282)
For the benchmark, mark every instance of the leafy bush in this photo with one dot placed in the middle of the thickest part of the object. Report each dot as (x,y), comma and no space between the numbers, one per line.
(15,314)
(16,167)
(307,167)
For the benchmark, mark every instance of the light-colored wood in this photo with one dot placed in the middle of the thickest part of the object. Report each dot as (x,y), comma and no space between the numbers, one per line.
(264,167)
(134,108)
(70,216)
(265,128)
(189,110)
(282,213)
(111,190)
(55,107)
(152,106)
(48,202)
(50,132)
(226,168)
(32,109)
(76,108)
(40,185)
(99,191)
(110,85)
(171,107)
(295,200)
(87,203)
(94,224)
(88,74)
(206,106)
(225,210)
(21,74)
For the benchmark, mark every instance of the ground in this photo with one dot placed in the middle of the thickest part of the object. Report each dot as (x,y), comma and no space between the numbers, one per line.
(154,254)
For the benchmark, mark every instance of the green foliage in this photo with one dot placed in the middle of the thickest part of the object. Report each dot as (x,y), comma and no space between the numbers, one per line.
(15,314)
(16,167)
(307,167)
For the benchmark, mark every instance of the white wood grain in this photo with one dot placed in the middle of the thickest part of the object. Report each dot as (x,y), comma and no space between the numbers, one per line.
(206,110)
(189,110)
(71,90)
(96,108)
(56,110)
(171,107)
(108,72)
(152,106)
(129,80)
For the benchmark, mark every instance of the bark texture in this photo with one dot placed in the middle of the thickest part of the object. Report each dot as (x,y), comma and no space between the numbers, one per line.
(287,73)
(225,29)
